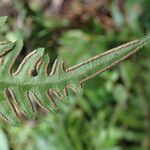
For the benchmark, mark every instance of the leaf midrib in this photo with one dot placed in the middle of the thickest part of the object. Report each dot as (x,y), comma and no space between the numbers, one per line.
(32,82)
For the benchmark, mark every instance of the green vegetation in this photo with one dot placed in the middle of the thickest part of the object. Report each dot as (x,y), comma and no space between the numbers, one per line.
(113,112)
(20,90)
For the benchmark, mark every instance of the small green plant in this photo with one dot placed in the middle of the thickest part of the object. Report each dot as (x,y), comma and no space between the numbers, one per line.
(19,90)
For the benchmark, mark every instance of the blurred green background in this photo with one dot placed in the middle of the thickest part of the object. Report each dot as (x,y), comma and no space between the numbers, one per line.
(113,113)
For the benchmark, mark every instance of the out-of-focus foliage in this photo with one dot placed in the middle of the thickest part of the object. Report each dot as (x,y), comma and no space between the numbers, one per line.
(114,111)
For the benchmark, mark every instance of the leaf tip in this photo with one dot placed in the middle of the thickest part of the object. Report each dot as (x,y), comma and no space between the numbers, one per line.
(145,40)
(41,51)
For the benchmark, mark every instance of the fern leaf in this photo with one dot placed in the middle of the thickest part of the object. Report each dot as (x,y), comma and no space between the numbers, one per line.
(20,89)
